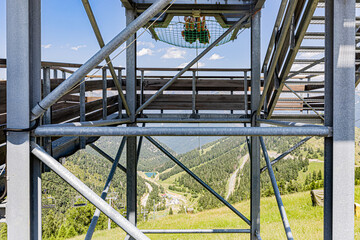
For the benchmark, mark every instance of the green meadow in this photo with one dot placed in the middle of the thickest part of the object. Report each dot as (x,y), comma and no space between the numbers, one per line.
(306,221)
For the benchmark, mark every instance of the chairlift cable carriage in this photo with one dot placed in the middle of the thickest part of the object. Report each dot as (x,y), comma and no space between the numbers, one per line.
(48,202)
(76,203)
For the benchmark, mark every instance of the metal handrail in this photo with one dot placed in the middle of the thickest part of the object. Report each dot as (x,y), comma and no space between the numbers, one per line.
(57,64)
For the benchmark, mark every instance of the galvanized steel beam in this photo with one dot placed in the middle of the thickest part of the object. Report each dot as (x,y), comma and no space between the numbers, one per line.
(286,153)
(82,111)
(192,120)
(98,123)
(339,114)
(183,131)
(105,155)
(18,109)
(131,181)
(281,207)
(254,140)
(274,61)
(35,97)
(285,124)
(192,231)
(131,98)
(301,30)
(47,116)
(278,20)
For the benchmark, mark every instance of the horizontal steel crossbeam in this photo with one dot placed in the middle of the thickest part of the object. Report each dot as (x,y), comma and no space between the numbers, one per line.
(191,231)
(183,131)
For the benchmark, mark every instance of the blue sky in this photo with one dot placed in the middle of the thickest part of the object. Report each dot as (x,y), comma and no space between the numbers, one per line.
(67,36)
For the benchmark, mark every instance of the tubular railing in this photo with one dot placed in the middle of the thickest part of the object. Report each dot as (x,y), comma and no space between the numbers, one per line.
(194,92)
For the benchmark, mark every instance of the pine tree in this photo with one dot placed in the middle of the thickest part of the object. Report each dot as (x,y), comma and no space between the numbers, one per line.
(62,232)
(71,232)
(171,211)
(314,176)
(319,175)
(307,179)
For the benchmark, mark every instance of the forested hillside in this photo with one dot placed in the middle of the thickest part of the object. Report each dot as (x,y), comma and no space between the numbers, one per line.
(63,212)
(198,156)
(217,161)
(150,157)
(182,145)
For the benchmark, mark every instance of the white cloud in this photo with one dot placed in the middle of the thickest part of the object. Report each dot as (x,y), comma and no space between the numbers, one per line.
(309,54)
(145,44)
(145,51)
(200,64)
(174,52)
(77,47)
(215,56)
(46,46)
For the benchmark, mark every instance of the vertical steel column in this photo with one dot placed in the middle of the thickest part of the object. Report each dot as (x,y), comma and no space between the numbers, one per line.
(339,114)
(142,87)
(141,102)
(231,93)
(246,93)
(265,100)
(63,75)
(131,180)
(131,67)
(131,154)
(120,105)
(104,93)
(55,74)
(194,93)
(18,105)
(47,115)
(255,144)
(35,97)
(82,110)
(308,95)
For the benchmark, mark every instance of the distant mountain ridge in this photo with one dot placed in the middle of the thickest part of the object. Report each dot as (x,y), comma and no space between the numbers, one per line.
(185,144)
(150,158)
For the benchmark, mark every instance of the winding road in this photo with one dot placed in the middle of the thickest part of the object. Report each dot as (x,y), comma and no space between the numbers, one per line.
(232,180)
(146,195)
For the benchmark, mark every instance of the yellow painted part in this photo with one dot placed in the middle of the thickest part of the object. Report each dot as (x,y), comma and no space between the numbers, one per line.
(357,209)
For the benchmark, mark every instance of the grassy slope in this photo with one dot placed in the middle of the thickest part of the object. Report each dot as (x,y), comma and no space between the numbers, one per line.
(305,221)
(357,146)
(313,166)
